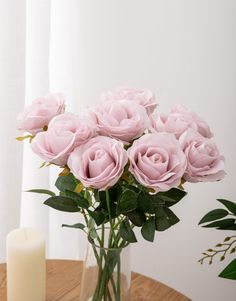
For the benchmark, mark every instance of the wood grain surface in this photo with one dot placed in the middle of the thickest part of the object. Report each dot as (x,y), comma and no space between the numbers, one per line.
(63,284)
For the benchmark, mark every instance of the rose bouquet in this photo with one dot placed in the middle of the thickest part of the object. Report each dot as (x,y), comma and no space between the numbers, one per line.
(124,165)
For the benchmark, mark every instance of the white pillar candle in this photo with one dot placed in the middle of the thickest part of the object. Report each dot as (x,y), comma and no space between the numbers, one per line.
(26,265)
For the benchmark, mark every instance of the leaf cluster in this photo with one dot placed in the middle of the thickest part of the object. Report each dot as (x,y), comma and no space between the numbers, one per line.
(222,219)
(129,205)
(217,218)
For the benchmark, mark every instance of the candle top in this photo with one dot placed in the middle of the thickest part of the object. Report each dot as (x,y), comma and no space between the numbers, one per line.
(25,237)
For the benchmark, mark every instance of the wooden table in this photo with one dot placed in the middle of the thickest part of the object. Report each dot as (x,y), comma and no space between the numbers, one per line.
(63,284)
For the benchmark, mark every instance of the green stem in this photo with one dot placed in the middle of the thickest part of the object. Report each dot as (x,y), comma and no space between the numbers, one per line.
(103,234)
(117,237)
(111,234)
(103,283)
(118,280)
(99,261)
(104,272)
(85,217)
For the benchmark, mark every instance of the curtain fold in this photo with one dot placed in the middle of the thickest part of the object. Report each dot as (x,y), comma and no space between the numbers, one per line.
(12,93)
(33,213)
(64,68)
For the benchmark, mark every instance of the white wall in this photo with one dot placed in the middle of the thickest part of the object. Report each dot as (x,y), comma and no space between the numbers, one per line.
(184,51)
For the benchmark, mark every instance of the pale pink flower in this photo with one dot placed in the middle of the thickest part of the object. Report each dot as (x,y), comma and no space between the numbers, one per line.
(157,161)
(145,98)
(65,132)
(204,161)
(123,120)
(99,163)
(38,115)
(178,121)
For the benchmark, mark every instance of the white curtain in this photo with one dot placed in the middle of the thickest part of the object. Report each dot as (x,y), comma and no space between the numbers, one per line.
(12,93)
(182,50)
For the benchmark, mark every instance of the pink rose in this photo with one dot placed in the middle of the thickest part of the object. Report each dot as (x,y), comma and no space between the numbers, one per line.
(145,98)
(37,115)
(123,120)
(204,162)
(178,121)
(157,161)
(65,132)
(99,163)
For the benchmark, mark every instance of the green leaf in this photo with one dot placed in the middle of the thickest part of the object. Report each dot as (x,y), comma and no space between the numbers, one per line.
(91,223)
(172,218)
(230,271)
(156,201)
(98,216)
(24,137)
(93,234)
(222,223)
(148,229)
(126,231)
(67,182)
(76,226)
(43,191)
(136,217)
(100,197)
(113,211)
(172,196)
(144,203)
(80,200)
(127,201)
(213,215)
(131,187)
(233,228)
(229,205)
(161,219)
(62,203)
(114,194)
(165,218)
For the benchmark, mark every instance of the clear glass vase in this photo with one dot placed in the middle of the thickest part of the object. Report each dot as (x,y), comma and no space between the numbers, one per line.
(106,274)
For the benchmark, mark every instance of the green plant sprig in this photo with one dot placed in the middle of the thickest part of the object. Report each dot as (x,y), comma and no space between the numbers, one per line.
(226,248)
(218,219)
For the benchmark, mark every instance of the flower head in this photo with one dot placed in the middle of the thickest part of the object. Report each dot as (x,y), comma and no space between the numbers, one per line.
(38,115)
(157,161)
(99,163)
(123,120)
(65,132)
(178,121)
(204,161)
(145,98)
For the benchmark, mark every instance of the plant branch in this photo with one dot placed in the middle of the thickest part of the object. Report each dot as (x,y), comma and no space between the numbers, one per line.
(225,248)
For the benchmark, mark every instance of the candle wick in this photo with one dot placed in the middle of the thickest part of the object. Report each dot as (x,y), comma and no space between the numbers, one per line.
(25,233)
